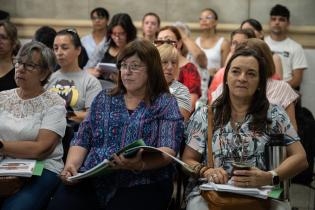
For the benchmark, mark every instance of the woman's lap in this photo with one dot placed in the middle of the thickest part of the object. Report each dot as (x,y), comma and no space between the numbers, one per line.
(35,194)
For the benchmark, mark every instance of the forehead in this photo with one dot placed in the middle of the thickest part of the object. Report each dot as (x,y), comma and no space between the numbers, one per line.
(239,37)
(133,58)
(167,34)
(64,38)
(150,18)
(206,13)
(118,29)
(245,62)
(33,57)
(248,26)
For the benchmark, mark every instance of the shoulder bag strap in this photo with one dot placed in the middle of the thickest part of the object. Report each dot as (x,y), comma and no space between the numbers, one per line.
(210,130)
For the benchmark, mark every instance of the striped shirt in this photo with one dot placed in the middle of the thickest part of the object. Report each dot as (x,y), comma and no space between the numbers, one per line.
(181,94)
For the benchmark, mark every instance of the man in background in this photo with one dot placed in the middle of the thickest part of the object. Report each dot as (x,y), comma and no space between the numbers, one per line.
(291,53)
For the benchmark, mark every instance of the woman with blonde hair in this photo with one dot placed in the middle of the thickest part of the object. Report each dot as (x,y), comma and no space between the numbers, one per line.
(169,56)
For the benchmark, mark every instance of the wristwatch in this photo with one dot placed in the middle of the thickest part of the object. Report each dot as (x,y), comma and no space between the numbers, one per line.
(275,178)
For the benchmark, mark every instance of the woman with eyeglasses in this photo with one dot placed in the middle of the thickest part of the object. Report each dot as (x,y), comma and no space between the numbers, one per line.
(99,17)
(169,56)
(76,87)
(140,107)
(121,31)
(8,43)
(215,47)
(33,123)
(188,73)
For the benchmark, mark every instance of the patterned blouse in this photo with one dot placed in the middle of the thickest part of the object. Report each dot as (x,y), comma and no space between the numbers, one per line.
(227,143)
(189,76)
(109,127)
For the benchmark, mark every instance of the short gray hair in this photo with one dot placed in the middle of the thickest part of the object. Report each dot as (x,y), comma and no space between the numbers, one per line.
(47,57)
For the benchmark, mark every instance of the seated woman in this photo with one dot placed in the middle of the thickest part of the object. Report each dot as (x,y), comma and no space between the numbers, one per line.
(9,41)
(278,91)
(77,87)
(188,72)
(169,57)
(243,123)
(120,32)
(140,107)
(35,123)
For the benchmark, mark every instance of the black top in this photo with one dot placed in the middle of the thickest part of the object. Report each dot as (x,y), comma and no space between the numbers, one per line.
(7,82)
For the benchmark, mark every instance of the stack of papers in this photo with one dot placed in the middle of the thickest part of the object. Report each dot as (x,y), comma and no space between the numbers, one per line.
(262,192)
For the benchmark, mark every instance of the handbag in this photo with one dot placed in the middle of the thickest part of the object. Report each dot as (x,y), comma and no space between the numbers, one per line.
(224,200)
(10,185)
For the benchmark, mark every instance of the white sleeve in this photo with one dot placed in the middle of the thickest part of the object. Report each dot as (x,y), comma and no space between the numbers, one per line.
(55,120)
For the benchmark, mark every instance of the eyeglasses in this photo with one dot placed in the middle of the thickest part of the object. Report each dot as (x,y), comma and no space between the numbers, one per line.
(210,17)
(26,66)
(133,67)
(159,42)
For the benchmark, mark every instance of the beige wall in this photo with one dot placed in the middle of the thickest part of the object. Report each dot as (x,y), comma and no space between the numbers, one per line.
(230,11)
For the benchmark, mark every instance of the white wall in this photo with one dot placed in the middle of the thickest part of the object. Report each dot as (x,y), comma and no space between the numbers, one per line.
(308,84)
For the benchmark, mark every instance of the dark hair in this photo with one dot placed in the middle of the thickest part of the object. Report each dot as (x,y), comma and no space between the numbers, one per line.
(263,50)
(101,12)
(280,10)
(124,20)
(47,57)
(12,33)
(45,35)
(254,23)
(247,32)
(75,39)
(174,30)
(4,15)
(148,54)
(259,103)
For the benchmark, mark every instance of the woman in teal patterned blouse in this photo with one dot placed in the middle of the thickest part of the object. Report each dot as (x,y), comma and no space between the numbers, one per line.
(140,107)
(243,123)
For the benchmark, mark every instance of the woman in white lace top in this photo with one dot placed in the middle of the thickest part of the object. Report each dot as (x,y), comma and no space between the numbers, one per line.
(33,123)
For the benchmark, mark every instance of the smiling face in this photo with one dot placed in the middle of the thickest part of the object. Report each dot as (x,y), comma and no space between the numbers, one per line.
(134,75)
(66,53)
(243,77)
